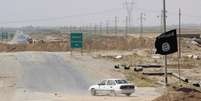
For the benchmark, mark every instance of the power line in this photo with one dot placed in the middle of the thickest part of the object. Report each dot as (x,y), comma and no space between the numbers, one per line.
(142,18)
(169,13)
(129,8)
(147,10)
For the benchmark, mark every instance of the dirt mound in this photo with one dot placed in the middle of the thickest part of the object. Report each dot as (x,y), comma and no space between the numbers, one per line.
(182,94)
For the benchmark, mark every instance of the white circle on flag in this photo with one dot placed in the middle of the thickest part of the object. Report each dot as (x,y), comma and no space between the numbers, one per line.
(166,47)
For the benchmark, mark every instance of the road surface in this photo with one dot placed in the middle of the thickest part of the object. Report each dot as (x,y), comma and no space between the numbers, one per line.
(45,76)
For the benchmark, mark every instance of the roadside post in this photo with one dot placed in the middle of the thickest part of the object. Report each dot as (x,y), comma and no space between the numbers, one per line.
(76,39)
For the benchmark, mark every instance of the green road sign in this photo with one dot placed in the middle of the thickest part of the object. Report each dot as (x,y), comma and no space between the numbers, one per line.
(76,40)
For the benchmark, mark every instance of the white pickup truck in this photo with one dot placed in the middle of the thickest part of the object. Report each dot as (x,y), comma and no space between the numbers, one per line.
(113,87)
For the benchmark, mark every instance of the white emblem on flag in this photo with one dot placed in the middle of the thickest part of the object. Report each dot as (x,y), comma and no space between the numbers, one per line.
(166,47)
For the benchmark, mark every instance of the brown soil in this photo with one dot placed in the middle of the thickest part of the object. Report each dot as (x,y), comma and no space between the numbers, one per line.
(182,94)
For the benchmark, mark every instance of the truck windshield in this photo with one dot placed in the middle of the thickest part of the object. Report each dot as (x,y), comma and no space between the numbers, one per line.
(121,81)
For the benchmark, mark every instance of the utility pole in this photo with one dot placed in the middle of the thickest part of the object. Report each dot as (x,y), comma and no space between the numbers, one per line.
(83,28)
(95,36)
(126,27)
(142,18)
(69,29)
(95,28)
(116,24)
(89,28)
(129,8)
(179,50)
(161,21)
(164,29)
(107,26)
(80,29)
(100,27)
(179,33)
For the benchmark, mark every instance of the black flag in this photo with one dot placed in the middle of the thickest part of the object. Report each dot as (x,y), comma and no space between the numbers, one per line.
(166,43)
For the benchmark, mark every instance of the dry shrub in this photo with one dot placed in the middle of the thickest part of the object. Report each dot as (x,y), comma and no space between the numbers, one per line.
(94,42)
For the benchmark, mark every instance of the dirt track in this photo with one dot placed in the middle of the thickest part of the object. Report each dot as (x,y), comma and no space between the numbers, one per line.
(44,76)
(37,96)
(62,97)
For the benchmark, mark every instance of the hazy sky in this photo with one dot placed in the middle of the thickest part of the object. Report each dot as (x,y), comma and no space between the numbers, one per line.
(16,13)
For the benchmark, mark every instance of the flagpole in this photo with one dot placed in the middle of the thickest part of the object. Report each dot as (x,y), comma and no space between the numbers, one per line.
(165,57)
(179,50)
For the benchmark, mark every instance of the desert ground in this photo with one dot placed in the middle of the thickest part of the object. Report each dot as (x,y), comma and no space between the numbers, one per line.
(46,71)
(57,76)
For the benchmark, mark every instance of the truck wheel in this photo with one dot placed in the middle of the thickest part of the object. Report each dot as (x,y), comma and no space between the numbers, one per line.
(113,93)
(93,92)
(129,94)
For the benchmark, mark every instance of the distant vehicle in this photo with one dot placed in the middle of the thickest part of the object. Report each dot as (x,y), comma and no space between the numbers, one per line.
(113,87)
